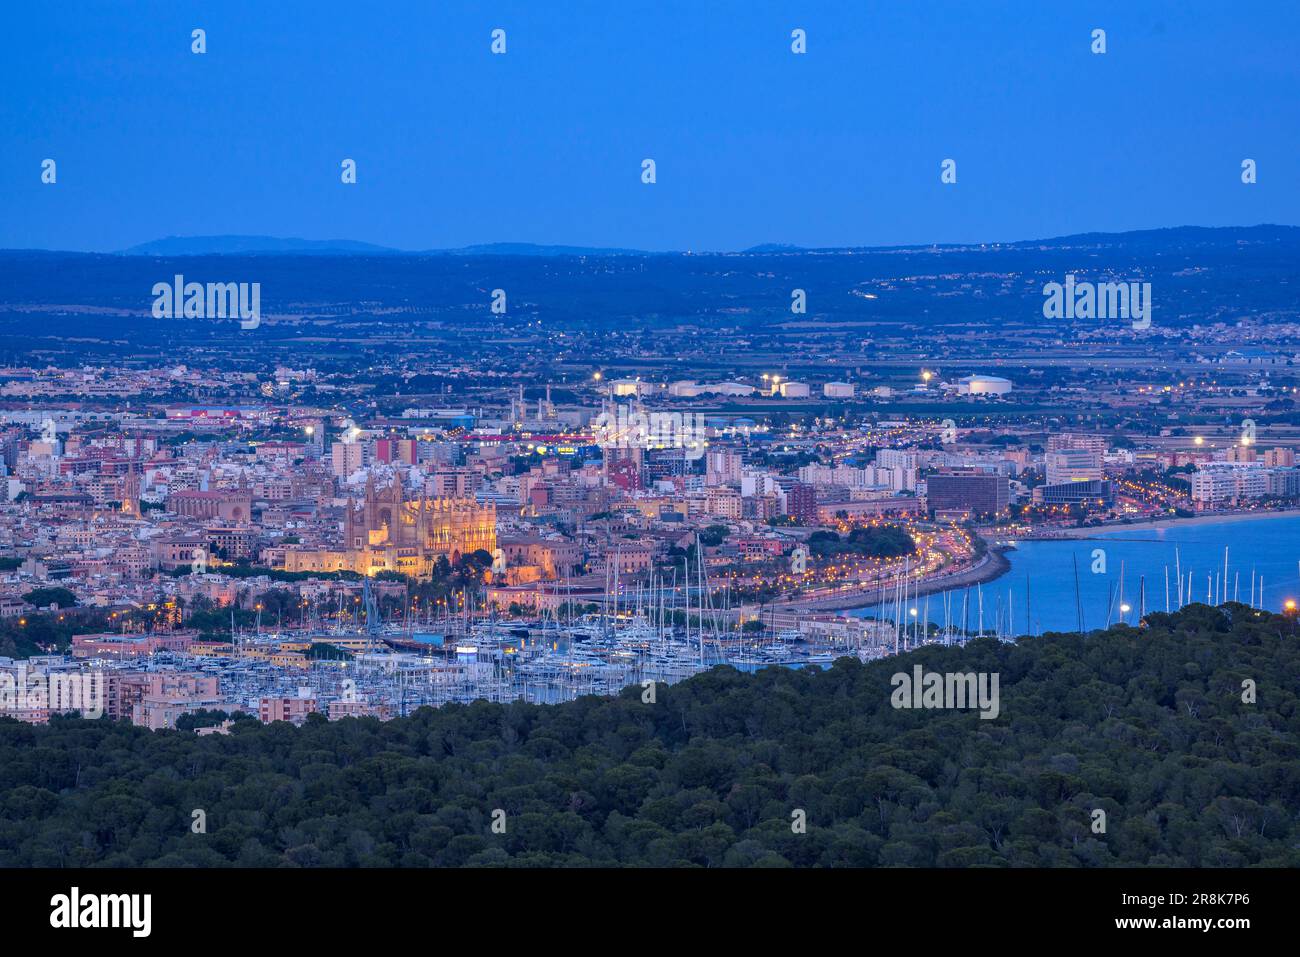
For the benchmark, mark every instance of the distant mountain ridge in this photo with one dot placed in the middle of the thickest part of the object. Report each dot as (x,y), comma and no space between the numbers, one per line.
(275,245)
(243,245)
(1161,236)
(237,245)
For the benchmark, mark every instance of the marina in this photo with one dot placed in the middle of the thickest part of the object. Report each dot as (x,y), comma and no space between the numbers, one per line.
(396,671)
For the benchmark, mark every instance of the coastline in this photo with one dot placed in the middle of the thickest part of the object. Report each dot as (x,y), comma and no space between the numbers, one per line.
(1226,518)
(995,564)
(992,566)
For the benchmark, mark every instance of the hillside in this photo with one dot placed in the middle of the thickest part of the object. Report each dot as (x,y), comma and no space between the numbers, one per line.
(1204,276)
(1148,725)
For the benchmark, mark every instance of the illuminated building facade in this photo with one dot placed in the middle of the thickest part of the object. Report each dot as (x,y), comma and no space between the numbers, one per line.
(391,532)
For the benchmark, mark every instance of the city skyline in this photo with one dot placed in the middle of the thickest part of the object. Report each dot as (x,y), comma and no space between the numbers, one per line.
(633,437)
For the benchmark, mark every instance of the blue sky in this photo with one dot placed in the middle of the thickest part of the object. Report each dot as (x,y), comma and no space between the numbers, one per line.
(753,144)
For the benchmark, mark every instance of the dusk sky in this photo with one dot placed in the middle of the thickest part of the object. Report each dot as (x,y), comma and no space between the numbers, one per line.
(753,143)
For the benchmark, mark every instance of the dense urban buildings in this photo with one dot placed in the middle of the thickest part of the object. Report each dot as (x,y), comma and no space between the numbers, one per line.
(306,543)
(720,436)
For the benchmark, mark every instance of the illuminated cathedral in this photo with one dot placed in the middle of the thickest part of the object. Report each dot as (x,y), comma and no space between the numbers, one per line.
(390,531)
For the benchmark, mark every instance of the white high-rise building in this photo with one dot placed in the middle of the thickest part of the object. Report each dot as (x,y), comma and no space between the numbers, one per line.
(1073,465)
(1065,441)
(1219,484)
(845,475)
